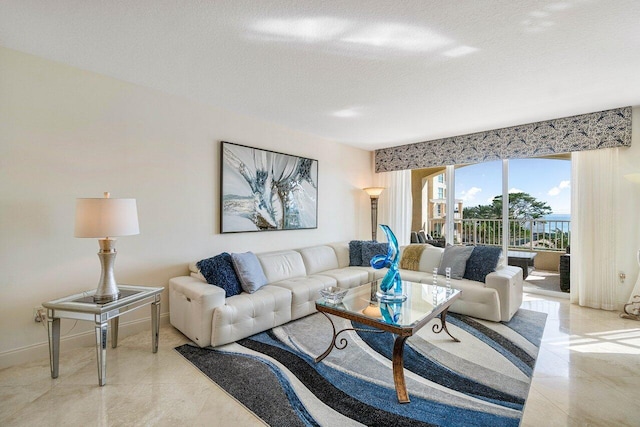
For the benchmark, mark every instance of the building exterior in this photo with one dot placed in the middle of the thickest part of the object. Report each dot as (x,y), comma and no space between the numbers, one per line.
(434,207)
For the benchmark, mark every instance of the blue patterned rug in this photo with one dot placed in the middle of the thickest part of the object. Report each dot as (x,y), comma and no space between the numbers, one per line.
(481,381)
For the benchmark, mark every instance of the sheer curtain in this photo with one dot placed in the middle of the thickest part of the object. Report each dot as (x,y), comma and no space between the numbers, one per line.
(395,203)
(594,183)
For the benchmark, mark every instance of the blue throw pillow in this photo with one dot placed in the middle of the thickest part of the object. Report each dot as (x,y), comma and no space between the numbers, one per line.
(249,271)
(355,252)
(483,260)
(371,249)
(219,272)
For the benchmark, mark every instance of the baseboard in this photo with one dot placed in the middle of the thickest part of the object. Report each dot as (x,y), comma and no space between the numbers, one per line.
(554,294)
(40,350)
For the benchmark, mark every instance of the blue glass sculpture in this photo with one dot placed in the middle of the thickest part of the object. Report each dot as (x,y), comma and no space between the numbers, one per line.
(391,312)
(391,285)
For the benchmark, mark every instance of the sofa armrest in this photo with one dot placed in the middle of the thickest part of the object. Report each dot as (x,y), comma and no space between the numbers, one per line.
(191,305)
(507,281)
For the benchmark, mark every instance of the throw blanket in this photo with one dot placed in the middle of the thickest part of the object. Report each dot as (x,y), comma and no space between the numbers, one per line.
(411,257)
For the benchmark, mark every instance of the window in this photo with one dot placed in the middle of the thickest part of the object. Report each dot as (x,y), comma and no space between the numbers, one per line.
(476,187)
(477,212)
(540,193)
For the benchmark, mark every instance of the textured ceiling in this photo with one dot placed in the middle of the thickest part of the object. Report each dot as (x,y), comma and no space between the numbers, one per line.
(367,73)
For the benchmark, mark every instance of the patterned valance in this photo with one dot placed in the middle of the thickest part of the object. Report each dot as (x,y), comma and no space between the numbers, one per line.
(604,129)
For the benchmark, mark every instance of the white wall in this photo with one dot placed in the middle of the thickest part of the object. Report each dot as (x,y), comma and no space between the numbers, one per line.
(67,133)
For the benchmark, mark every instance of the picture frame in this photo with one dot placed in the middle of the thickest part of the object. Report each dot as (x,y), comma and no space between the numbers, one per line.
(263,190)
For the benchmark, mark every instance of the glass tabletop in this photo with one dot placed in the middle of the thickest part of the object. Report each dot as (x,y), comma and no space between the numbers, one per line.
(423,301)
(83,302)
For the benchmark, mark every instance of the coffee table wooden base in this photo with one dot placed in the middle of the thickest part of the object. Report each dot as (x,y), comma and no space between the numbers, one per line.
(398,351)
(343,341)
(398,370)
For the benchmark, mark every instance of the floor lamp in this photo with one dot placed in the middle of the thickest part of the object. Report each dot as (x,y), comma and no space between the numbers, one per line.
(374,193)
(632,309)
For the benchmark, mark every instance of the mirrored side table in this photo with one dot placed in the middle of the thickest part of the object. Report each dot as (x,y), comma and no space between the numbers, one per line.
(81,307)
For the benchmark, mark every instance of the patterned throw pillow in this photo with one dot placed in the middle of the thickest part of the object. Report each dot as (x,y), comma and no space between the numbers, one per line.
(219,271)
(355,252)
(483,260)
(371,249)
(456,258)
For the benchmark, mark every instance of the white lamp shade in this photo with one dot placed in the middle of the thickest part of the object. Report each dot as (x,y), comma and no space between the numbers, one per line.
(374,191)
(106,217)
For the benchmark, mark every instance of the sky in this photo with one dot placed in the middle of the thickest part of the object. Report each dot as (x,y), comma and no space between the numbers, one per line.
(548,180)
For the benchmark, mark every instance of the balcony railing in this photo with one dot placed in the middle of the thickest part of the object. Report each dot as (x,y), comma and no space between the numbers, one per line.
(539,235)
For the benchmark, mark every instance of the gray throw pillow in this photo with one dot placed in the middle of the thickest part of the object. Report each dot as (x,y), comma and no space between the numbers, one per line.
(249,271)
(355,251)
(456,258)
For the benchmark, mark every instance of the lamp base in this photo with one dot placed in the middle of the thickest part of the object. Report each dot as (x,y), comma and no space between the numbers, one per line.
(107,287)
(103,299)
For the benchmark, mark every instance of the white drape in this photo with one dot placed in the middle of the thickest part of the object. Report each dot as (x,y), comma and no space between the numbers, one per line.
(594,182)
(395,204)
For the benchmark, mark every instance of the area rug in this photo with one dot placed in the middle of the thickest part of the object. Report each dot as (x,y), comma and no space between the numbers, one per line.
(483,380)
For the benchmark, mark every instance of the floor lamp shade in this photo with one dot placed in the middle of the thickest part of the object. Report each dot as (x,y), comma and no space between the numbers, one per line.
(104,219)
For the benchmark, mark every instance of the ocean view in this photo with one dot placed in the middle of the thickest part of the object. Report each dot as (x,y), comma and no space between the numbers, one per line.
(558,217)
(552,222)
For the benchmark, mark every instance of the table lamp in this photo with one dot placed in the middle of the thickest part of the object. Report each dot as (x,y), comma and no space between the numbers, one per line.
(374,193)
(105,218)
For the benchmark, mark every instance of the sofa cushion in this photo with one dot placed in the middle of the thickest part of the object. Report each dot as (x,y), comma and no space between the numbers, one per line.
(282,265)
(304,293)
(346,277)
(371,249)
(319,258)
(430,259)
(219,271)
(483,260)
(249,271)
(342,253)
(455,257)
(247,314)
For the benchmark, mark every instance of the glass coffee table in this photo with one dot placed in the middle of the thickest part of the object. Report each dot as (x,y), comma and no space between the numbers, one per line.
(424,302)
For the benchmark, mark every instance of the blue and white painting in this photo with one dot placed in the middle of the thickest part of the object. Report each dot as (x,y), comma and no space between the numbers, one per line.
(264,190)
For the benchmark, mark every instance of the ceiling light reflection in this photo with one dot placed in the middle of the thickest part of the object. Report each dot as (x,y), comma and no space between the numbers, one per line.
(347,113)
(538,14)
(459,51)
(398,36)
(558,6)
(307,29)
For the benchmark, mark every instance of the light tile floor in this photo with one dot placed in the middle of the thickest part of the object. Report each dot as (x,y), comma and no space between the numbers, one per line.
(587,374)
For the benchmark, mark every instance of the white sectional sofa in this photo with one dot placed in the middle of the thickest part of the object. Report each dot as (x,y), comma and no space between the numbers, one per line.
(203,313)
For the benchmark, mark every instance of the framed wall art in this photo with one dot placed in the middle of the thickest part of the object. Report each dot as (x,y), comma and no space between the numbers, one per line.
(264,190)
